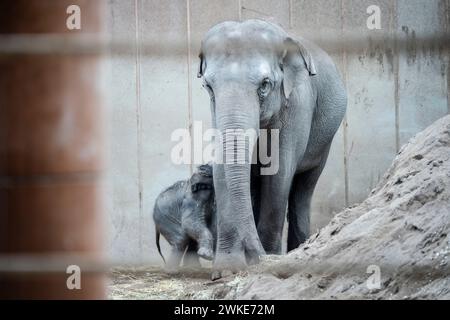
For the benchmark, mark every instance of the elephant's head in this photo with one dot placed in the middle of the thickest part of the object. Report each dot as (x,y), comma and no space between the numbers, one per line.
(202,186)
(249,70)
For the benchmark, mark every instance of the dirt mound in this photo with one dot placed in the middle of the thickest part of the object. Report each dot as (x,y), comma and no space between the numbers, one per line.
(401,233)
(401,230)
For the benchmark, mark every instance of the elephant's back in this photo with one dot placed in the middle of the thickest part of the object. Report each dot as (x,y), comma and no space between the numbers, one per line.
(167,208)
(331,106)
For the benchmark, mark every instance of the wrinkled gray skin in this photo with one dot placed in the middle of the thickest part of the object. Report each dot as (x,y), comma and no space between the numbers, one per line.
(260,77)
(184,215)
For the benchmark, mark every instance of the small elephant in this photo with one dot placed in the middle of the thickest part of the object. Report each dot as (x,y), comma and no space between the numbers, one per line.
(184,214)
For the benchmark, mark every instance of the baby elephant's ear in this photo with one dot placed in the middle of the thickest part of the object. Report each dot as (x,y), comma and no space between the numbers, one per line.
(295,59)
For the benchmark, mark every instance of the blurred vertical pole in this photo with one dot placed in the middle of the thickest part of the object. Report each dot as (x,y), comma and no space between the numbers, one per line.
(51,150)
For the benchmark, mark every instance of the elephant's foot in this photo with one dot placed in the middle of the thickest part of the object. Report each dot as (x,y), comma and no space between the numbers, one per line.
(227,263)
(253,249)
(205,253)
(237,259)
(217,275)
(171,269)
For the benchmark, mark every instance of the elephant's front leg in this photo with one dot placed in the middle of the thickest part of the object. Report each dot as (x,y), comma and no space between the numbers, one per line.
(274,201)
(193,223)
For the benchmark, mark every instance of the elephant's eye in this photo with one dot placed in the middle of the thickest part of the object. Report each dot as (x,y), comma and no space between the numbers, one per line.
(264,88)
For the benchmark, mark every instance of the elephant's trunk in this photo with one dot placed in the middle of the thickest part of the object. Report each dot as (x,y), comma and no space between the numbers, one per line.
(238,121)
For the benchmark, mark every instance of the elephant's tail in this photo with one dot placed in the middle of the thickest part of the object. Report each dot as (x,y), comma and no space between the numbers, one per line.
(158,234)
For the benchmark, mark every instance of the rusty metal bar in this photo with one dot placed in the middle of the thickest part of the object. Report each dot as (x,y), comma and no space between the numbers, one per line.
(51,149)
(138,113)
(52,263)
(189,79)
(86,44)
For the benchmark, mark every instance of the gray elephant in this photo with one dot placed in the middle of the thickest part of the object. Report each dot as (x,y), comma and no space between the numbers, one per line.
(184,215)
(259,77)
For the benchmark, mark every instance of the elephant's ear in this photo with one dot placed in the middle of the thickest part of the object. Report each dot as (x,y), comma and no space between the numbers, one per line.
(201,66)
(295,59)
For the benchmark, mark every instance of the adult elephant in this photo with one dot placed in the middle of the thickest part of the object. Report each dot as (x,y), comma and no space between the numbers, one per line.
(259,77)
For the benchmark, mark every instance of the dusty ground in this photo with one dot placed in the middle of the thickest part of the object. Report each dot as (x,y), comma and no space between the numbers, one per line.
(153,282)
(402,230)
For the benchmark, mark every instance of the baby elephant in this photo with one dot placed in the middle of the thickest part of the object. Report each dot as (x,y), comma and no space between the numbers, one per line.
(184,214)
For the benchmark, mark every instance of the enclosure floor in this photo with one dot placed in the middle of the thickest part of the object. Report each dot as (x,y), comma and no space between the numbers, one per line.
(153,282)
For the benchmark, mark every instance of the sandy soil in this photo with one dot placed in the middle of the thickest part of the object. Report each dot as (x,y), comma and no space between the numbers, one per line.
(402,230)
(152,282)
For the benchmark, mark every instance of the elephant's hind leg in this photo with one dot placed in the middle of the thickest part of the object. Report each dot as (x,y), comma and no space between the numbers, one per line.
(191,258)
(174,261)
(299,206)
(274,201)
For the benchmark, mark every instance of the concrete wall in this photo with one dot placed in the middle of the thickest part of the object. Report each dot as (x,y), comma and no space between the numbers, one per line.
(394,92)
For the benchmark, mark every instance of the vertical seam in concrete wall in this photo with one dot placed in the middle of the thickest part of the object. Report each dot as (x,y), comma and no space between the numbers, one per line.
(344,75)
(240,10)
(188,43)
(396,77)
(290,14)
(138,118)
